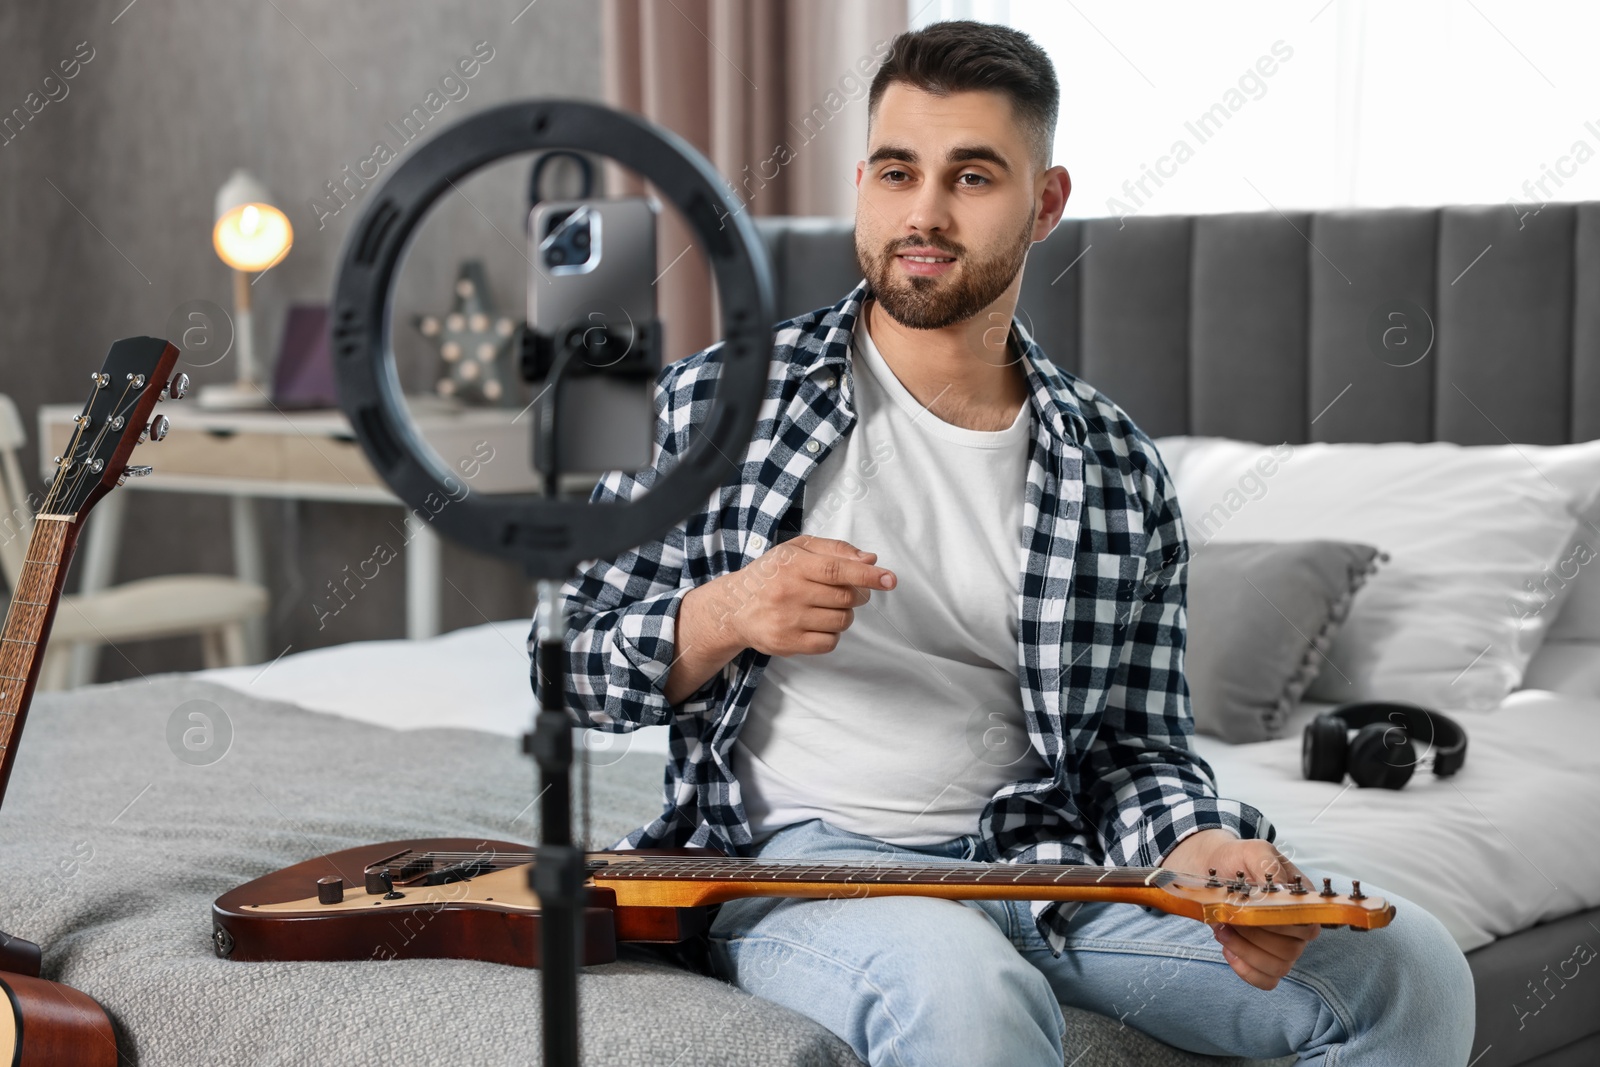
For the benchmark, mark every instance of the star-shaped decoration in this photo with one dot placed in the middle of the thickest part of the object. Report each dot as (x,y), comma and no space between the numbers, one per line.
(474,342)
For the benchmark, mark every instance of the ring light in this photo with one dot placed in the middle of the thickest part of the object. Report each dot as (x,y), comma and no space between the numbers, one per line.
(547,534)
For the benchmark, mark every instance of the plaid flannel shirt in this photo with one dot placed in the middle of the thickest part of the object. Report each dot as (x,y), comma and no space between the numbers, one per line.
(1101,621)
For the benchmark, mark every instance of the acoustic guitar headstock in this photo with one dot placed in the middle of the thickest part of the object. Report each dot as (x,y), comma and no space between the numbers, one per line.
(1240,902)
(137,372)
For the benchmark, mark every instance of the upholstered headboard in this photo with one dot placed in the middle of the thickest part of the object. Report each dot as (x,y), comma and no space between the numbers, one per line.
(1472,324)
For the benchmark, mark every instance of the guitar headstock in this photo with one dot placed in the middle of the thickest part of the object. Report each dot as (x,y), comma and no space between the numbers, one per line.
(1243,903)
(137,372)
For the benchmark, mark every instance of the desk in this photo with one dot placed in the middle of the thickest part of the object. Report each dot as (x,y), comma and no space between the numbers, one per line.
(301,455)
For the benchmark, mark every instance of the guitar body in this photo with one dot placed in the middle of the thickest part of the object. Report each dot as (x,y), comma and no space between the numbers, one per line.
(493,916)
(45,1023)
(461,898)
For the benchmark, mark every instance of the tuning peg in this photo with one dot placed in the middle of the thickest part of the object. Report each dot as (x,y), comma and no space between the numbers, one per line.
(1355,890)
(177,388)
(1327,888)
(1299,887)
(157,430)
(133,472)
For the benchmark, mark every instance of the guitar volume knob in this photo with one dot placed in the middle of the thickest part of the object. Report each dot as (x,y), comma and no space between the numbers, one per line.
(330,890)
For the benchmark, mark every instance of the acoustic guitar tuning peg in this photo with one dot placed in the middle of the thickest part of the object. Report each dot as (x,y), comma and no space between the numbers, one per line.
(1327,888)
(1299,887)
(1355,890)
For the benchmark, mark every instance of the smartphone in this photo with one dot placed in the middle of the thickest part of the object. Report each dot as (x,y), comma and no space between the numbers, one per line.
(593,263)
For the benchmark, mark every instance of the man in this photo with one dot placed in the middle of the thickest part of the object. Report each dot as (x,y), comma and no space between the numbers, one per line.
(939,615)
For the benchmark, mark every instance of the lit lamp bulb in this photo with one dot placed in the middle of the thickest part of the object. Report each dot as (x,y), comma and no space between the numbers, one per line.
(250,235)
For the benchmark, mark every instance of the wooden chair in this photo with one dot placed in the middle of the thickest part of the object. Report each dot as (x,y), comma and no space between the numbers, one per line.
(213,606)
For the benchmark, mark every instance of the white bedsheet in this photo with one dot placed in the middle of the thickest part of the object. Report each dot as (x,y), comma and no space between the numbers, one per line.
(1507,842)
(1510,841)
(475,678)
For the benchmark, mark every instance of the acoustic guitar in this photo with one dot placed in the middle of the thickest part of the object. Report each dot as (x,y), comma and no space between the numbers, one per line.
(460,898)
(42,1022)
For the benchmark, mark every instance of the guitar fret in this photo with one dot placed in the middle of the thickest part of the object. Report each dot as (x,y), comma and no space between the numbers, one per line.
(33,595)
(750,869)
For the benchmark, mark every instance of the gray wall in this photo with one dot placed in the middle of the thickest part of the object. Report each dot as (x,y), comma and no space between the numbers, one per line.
(177,94)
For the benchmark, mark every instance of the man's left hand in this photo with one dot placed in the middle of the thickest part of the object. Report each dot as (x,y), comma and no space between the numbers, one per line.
(1261,955)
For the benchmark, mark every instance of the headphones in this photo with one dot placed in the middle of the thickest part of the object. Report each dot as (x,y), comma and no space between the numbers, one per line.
(1383,752)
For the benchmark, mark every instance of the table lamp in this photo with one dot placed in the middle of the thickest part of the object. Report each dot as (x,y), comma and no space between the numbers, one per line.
(251,234)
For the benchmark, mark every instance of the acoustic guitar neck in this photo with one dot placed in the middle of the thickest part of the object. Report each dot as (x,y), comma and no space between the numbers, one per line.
(113,422)
(33,606)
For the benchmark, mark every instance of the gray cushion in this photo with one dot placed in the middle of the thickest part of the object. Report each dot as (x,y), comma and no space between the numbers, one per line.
(1261,615)
(112,850)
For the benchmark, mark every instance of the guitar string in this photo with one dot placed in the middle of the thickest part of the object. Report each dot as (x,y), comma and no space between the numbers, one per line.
(32,590)
(750,868)
(72,446)
(105,428)
(82,468)
(25,594)
(734,863)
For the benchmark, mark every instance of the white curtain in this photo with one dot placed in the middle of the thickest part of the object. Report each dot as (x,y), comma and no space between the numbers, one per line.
(773,92)
(1364,102)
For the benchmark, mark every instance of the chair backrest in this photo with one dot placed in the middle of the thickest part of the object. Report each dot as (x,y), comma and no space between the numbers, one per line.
(16,516)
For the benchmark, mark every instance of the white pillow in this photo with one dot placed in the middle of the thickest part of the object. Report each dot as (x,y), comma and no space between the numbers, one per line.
(1576,469)
(1477,536)
(1571,667)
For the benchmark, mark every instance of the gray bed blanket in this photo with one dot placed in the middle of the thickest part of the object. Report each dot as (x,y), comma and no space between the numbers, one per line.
(112,848)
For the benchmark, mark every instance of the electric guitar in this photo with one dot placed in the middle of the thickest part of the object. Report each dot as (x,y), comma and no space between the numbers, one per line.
(461,898)
(42,1022)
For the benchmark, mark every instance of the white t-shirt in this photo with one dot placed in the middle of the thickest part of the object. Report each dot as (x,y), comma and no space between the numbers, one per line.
(908,727)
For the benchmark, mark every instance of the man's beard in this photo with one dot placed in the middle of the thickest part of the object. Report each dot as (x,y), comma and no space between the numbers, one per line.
(919,302)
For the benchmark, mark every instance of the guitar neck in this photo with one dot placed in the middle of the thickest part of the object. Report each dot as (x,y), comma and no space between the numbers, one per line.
(1021,875)
(33,606)
(684,881)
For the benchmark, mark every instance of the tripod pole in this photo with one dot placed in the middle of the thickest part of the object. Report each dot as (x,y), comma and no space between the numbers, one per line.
(557,874)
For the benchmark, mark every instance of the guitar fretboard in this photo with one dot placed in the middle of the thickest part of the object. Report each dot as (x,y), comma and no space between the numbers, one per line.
(31,601)
(734,869)
(714,870)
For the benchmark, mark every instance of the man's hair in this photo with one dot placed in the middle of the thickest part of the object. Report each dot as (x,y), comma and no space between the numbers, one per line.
(960,55)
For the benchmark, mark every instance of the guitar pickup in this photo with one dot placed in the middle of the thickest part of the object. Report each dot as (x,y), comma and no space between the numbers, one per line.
(455,872)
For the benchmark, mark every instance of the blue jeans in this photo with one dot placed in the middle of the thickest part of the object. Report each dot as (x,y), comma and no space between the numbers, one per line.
(914,981)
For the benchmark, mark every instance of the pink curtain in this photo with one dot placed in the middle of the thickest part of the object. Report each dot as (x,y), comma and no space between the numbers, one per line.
(773,92)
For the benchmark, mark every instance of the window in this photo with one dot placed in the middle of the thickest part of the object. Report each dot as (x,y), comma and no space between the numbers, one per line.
(1170,107)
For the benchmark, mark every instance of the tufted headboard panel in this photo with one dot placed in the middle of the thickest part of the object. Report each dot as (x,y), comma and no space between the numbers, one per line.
(1471,324)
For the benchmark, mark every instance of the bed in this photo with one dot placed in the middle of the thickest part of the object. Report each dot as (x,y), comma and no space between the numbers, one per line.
(1246,327)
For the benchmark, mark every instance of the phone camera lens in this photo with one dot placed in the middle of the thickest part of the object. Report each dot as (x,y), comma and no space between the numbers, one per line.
(556,256)
(580,239)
